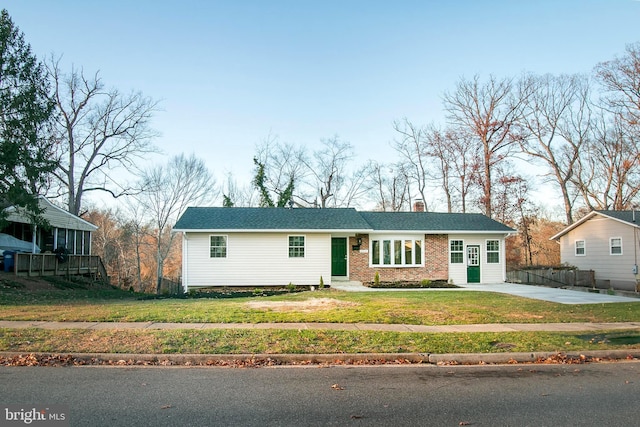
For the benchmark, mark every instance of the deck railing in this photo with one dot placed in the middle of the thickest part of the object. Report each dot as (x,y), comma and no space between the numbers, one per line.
(51,265)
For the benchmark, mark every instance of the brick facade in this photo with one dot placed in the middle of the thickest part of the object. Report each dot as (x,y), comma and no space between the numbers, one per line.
(435,255)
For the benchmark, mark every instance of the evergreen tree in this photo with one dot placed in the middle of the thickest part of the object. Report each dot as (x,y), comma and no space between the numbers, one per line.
(25,113)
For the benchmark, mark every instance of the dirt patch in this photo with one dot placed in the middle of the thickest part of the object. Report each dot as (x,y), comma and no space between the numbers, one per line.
(310,305)
(10,280)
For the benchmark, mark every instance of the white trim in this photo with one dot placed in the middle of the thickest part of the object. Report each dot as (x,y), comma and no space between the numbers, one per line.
(226,246)
(304,246)
(403,239)
(611,246)
(487,251)
(450,252)
(585,219)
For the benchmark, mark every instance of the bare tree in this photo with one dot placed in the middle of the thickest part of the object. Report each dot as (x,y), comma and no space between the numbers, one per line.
(461,152)
(391,183)
(321,179)
(169,190)
(236,195)
(280,167)
(414,148)
(490,111)
(608,171)
(557,121)
(328,179)
(99,130)
(445,156)
(620,78)
(356,187)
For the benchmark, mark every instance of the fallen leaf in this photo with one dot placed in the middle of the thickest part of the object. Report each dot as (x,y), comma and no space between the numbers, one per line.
(165,407)
(337,387)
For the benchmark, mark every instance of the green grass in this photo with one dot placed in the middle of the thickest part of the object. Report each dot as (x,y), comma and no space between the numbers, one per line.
(411,307)
(80,302)
(303,341)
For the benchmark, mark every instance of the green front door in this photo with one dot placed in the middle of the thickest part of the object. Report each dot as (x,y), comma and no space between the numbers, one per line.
(338,256)
(473,264)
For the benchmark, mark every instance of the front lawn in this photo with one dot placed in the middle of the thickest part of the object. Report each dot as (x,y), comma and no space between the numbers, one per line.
(278,341)
(411,307)
(22,300)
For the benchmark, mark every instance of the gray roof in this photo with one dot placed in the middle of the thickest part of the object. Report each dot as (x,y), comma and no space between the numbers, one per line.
(433,222)
(347,219)
(270,219)
(632,217)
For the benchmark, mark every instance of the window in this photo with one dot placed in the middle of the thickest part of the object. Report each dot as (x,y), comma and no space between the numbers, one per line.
(580,248)
(375,252)
(87,243)
(386,252)
(61,238)
(296,246)
(456,249)
(79,248)
(71,241)
(218,248)
(493,251)
(396,252)
(615,246)
(408,249)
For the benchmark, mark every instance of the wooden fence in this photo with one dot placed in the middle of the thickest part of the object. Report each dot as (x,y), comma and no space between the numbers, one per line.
(553,277)
(50,265)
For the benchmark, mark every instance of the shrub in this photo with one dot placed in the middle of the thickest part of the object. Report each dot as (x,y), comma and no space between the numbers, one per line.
(376,279)
(321,285)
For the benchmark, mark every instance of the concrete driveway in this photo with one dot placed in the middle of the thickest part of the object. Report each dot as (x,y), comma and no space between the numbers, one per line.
(561,296)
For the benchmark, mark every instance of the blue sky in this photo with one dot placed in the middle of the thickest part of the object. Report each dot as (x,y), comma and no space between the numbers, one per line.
(231,73)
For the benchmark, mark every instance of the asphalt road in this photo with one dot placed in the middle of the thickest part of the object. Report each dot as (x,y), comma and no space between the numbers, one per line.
(605,394)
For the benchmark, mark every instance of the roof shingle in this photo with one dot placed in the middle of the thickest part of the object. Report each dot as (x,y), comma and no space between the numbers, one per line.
(263,219)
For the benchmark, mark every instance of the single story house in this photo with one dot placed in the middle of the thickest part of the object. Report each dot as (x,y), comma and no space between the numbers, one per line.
(67,230)
(606,242)
(277,246)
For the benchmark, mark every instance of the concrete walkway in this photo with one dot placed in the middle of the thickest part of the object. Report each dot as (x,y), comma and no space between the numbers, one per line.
(489,327)
(557,295)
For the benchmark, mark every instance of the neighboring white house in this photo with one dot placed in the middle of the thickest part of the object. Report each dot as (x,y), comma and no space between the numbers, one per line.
(67,230)
(605,242)
(252,247)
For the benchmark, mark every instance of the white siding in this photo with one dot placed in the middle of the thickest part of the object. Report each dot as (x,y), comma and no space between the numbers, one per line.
(596,233)
(489,273)
(256,259)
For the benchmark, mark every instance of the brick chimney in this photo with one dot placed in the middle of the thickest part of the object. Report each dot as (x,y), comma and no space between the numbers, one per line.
(418,205)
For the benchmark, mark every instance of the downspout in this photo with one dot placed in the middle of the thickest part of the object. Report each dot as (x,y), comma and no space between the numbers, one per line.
(185,279)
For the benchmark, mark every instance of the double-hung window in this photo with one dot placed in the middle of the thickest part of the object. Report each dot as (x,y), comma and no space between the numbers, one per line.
(396,252)
(493,251)
(615,246)
(296,246)
(218,246)
(580,248)
(456,251)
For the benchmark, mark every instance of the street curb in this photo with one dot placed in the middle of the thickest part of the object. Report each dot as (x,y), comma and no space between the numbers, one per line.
(364,359)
